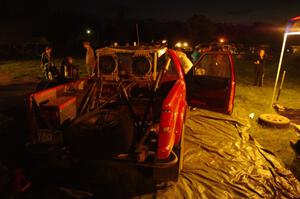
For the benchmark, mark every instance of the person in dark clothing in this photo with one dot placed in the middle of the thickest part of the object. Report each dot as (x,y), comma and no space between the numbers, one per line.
(52,72)
(68,70)
(260,63)
(46,61)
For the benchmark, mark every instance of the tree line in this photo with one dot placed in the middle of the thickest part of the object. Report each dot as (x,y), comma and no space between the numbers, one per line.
(66,31)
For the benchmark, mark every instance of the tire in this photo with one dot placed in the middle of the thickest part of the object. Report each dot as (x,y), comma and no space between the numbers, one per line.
(179,152)
(274,120)
(101,134)
(171,173)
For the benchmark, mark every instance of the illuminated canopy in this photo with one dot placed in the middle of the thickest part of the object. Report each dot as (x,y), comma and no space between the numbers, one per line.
(293,25)
(293,28)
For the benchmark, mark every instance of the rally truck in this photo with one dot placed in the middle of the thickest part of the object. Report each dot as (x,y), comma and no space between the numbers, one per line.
(132,111)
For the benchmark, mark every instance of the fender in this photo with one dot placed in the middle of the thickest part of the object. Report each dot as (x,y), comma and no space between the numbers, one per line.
(180,121)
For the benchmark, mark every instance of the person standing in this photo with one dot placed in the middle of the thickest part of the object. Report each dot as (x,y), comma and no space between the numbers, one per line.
(260,63)
(195,55)
(90,59)
(46,61)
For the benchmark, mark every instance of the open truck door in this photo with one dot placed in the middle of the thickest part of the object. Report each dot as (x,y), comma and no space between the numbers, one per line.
(211,82)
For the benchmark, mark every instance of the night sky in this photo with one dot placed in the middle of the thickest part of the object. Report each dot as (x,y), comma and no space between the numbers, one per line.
(235,11)
(64,22)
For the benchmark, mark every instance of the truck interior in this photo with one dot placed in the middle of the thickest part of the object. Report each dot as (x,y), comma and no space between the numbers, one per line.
(210,82)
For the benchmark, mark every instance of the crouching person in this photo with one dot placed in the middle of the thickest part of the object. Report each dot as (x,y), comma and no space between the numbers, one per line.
(68,70)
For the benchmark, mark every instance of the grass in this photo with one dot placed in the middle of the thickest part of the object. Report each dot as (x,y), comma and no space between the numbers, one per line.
(22,71)
(249,99)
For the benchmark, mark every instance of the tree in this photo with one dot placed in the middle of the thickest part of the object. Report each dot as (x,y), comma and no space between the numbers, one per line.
(200,29)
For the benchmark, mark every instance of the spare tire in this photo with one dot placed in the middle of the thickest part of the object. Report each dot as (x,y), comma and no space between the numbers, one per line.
(101,134)
(274,120)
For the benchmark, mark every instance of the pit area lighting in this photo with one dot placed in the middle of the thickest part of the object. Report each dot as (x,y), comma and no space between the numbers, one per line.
(185,44)
(164,41)
(221,40)
(161,52)
(88,31)
(280,62)
(292,28)
(178,44)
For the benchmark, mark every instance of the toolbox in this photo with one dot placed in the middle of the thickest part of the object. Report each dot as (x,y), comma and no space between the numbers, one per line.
(59,110)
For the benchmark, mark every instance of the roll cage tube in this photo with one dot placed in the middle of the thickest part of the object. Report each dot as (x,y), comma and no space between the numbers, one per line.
(156,86)
(161,73)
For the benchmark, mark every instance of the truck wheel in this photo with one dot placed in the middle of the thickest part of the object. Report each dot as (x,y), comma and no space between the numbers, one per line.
(171,173)
(101,134)
(180,151)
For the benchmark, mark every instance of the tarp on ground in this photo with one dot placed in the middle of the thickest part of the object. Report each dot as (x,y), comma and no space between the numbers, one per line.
(221,160)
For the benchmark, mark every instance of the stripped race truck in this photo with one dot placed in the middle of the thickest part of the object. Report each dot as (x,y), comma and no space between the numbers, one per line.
(131,111)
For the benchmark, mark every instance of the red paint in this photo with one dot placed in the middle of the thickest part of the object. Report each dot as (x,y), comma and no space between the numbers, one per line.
(172,115)
(180,121)
(19,182)
(295,18)
(230,103)
(48,94)
(227,97)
